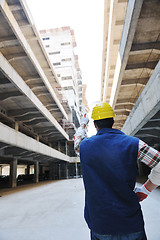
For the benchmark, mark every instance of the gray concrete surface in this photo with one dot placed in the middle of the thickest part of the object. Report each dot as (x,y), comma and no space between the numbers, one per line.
(151,213)
(54,211)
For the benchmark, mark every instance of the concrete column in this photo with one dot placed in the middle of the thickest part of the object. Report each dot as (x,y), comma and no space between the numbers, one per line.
(76,170)
(56,169)
(36,172)
(16,126)
(0,170)
(66,146)
(28,170)
(59,146)
(37,138)
(51,172)
(13,173)
(66,169)
(59,171)
(41,169)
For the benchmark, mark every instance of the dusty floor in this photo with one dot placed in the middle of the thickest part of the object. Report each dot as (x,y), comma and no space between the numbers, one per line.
(54,211)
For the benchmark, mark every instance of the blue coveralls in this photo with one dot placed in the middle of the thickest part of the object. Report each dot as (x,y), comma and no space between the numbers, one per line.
(109,168)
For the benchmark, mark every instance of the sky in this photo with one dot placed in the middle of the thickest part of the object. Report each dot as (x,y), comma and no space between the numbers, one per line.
(86,18)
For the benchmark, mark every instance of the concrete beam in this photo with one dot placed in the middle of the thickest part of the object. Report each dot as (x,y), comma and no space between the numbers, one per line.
(126,101)
(17,139)
(119,22)
(122,1)
(126,107)
(30,20)
(4,96)
(29,117)
(134,81)
(38,88)
(21,112)
(131,20)
(28,155)
(119,121)
(147,105)
(122,112)
(7,38)
(152,124)
(14,77)
(8,43)
(25,26)
(13,151)
(32,80)
(147,136)
(16,57)
(17,31)
(150,128)
(148,65)
(4,81)
(41,129)
(15,7)
(152,131)
(3,146)
(35,121)
(145,46)
(31,38)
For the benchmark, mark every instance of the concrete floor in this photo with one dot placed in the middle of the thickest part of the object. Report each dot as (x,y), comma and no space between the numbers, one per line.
(54,211)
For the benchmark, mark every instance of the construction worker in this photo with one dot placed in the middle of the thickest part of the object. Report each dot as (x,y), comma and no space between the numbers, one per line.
(109,168)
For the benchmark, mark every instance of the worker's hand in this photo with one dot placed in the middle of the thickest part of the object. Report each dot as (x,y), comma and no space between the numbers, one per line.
(78,136)
(142,192)
(84,121)
(80,133)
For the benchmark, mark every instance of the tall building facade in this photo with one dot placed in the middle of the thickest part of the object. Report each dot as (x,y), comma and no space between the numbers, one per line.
(59,44)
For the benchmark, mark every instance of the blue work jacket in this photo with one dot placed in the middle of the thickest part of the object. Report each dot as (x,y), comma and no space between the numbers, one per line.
(109,168)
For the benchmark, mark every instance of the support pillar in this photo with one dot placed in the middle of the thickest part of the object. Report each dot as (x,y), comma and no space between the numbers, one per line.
(16,126)
(0,170)
(36,172)
(66,170)
(59,171)
(59,146)
(51,172)
(56,169)
(13,173)
(76,170)
(66,146)
(41,169)
(28,170)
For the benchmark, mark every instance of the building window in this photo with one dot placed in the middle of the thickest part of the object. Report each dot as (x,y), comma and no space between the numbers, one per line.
(53,53)
(65,43)
(67,78)
(47,46)
(56,64)
(46,38)
(58,75)
(66,60)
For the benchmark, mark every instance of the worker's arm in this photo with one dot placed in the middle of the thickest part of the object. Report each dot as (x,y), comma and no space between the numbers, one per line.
(150,186)
(151,157)
(80,133)
(143,191)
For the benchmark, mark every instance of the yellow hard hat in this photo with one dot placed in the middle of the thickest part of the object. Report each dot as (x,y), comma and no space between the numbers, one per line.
(101,111)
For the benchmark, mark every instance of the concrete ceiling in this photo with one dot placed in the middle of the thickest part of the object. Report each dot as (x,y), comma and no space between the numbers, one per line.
(30,102)
(137,56)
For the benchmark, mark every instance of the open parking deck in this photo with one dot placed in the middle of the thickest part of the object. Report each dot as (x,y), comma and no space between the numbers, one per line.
(54,211)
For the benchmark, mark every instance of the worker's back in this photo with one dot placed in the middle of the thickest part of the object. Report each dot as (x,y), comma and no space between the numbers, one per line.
(109,167)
